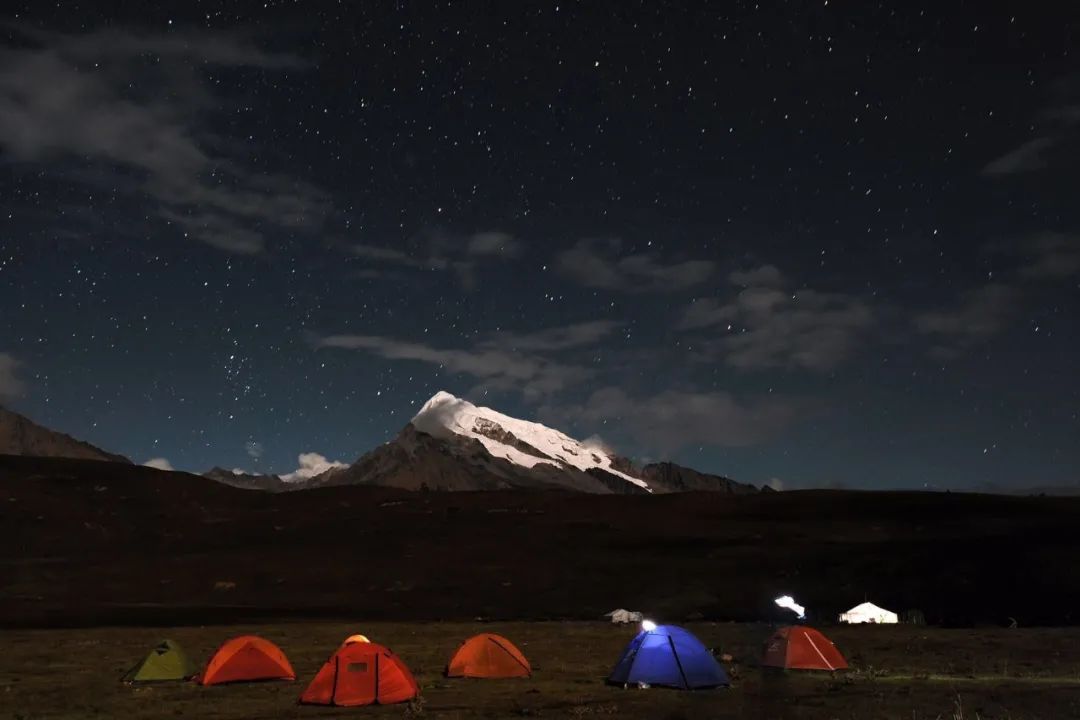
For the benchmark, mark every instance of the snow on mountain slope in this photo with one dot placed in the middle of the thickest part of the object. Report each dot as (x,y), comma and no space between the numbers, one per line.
(520,442)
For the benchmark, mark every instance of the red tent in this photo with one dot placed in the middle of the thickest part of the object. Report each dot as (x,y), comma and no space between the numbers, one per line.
(361,674)
(802,648)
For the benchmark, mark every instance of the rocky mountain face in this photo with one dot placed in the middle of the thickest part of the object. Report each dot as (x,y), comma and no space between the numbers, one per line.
(454,445)
(21,436)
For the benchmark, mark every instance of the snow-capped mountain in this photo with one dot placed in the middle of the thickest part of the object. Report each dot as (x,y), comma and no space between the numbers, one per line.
(452,444)
(519,442)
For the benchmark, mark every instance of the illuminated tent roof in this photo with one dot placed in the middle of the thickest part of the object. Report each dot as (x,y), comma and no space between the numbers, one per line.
(868,612)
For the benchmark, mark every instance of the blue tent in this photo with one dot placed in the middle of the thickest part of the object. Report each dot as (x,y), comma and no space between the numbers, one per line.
(668,656)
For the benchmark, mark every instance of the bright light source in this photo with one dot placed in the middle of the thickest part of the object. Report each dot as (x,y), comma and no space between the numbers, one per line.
(648,625)
(786,601)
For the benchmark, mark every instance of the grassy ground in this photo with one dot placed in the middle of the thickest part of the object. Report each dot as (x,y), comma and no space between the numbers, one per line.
(899,672)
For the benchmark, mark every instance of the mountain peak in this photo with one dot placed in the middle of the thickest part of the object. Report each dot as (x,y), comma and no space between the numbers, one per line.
(437,400)
(519,442)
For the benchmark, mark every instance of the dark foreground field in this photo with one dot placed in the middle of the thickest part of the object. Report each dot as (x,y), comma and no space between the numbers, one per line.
(90,544)
(903,672)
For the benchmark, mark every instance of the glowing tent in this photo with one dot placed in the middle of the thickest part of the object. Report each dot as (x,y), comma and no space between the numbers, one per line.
(668,656)
(167,661)
(244,659)
(488,656)
(354,639)
(802,648)
(361,673)
(868,612)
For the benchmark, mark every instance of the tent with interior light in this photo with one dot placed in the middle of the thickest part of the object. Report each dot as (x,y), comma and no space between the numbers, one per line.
(868,612)
(361,673)
(668,656)
(167,661)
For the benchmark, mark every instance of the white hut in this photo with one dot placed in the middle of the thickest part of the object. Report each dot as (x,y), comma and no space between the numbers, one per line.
(868,612)
(623,617)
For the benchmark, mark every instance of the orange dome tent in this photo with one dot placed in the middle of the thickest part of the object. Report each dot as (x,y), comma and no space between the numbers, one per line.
(361,673)
(244,659)
(488,656)
(802,648)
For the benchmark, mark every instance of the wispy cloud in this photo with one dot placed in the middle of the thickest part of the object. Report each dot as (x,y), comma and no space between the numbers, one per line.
(980,314)
(1029,156)
(766,326)
(556,338)
(1051,255)
(601,264)
(11,386)
(137,102)
(1057,121)
(673,420)
(493,243)
(440,251)
(496,369)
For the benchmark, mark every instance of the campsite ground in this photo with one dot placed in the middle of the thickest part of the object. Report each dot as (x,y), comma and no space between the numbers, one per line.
(909,672)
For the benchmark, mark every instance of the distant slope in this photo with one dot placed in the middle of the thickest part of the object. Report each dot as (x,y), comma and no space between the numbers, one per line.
(249,481)
(21,436)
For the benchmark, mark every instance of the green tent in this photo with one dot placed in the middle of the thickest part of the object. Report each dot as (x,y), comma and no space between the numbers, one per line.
(167,661)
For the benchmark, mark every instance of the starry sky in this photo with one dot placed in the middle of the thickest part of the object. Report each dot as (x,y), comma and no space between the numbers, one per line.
(812,244)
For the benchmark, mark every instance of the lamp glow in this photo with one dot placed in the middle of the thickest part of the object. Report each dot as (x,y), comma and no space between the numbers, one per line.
(786,601)
(648,625)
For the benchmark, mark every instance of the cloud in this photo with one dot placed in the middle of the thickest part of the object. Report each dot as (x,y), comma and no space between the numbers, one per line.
(136,102)
(671,420)
(311,464)
(557,338)
(1051,255)
(764,276)
(497,368)
(776,483)
(11,386)
(387,255)
(1026,158)
(438,251)
(160,463)
(980,314)
(253,449)
(598,264)
(493,243)
(765,326)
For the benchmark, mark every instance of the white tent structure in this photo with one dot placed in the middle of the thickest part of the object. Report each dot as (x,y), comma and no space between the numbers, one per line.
(868,612)
(623,617)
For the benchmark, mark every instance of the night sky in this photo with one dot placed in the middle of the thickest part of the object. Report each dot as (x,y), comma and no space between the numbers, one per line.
(814,244)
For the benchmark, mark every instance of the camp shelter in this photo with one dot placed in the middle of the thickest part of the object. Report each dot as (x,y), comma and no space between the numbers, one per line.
(488,656)
(361,674)
(167,661)
(622,616)
(802,648)
(245,659)
(355,639)
(868,612)
(668,656)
